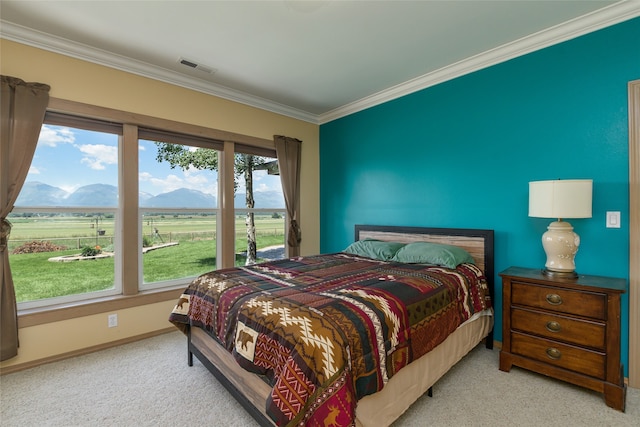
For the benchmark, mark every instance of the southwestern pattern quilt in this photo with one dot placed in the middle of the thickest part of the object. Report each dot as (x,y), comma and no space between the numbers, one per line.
(327,330)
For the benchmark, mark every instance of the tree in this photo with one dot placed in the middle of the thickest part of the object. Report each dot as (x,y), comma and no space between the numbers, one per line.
(203,158)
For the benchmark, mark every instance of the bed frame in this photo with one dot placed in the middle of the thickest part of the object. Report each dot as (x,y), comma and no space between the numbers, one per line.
(251,390)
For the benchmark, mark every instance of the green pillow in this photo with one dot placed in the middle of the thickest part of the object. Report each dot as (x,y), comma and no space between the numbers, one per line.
(376,249)
(432,253)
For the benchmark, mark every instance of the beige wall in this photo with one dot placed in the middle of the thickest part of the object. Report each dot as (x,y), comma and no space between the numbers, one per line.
(52,340)
(89,83)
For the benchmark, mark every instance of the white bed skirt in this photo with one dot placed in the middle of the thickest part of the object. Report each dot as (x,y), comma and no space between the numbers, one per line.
(381,408)
(412,381)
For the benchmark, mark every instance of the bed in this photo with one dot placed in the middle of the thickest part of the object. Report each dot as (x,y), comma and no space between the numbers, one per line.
(360,344)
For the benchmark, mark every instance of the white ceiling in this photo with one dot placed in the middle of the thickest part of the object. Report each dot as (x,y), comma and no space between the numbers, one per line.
(313,60)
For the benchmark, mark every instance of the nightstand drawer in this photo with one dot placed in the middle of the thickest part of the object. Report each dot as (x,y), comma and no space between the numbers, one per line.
(576,359)
(560,328)
(587,304)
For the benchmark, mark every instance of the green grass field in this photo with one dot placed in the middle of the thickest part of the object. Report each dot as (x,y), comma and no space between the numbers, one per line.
(36,278)
(53,227)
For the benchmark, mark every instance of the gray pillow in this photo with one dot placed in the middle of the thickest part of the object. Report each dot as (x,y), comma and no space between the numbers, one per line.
(432,253)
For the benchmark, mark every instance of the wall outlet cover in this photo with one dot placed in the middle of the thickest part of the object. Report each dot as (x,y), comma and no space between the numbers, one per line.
(613,219)
(112,320)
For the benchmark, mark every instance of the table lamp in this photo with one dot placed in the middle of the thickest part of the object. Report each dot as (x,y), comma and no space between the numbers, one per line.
(570,198)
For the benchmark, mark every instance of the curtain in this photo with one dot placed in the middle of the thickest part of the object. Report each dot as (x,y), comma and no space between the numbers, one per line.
(22,109)
(288,153)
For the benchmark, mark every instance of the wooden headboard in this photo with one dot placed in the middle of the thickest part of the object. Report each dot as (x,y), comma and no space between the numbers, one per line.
(479,243)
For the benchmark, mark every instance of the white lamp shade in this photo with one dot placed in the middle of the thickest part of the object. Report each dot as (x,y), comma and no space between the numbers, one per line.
(570,198)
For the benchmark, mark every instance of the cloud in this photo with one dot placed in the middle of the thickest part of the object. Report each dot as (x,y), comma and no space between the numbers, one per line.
(51,137)
(197,180)
(97,156)
(262,181)
(34,170)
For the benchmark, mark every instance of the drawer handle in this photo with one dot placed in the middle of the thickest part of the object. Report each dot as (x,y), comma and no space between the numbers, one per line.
(554,353)
(553,326)
(554,299)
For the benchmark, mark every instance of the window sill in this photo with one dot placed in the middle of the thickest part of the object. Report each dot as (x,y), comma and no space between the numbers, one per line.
(50,314)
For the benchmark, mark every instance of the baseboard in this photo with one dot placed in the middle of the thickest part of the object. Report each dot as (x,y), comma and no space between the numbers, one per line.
(33,363)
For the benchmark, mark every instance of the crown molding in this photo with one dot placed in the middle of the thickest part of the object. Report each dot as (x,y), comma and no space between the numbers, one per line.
(51,43)
(611,15)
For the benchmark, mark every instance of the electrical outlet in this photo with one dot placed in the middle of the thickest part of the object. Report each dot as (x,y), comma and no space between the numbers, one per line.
(112,320)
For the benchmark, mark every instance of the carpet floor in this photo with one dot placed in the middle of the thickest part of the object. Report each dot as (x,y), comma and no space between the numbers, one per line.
(148,383)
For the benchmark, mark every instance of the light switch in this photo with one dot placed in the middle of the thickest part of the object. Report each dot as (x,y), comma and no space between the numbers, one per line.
(613,219)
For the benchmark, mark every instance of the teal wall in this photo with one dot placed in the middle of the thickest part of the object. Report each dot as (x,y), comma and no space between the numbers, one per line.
(461,154)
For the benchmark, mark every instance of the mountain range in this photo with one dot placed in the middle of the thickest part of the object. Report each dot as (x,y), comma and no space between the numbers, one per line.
(35,193)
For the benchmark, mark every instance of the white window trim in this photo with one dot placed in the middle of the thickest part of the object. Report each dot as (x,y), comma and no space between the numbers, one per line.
(117,282)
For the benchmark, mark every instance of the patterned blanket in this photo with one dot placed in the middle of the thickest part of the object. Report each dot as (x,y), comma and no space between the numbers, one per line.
(327,330)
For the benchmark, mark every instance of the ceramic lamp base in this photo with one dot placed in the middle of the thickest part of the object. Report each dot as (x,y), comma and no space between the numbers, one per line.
(561,245)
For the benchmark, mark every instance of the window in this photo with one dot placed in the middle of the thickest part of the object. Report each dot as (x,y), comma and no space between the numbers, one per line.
(260,208)
(102,214)
(63,238)
(178,207)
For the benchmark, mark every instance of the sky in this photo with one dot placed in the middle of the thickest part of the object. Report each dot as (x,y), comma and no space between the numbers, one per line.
(69,158)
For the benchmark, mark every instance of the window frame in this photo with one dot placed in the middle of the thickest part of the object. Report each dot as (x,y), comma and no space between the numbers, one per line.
(168,136)
(74,298)
(130,234)
(100,126)
(182,281)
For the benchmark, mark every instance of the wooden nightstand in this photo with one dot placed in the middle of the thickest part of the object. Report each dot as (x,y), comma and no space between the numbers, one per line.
(568,329)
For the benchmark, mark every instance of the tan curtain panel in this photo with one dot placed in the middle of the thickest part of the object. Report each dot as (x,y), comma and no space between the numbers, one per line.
(22,110)
(288,153)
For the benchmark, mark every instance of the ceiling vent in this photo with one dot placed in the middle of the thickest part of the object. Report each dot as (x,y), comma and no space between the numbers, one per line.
(194,65)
